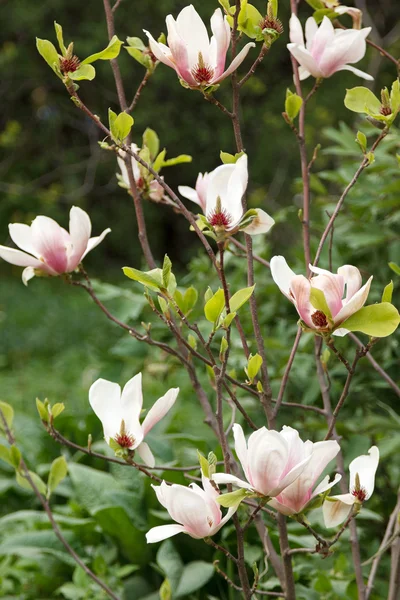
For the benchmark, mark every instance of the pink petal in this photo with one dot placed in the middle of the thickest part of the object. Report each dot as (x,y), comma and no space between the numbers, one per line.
(159,410)
(193,32)
(237,61)
(321,40)
(188,508)
(354,304)
(300,287)
(180,53)
(146,454)
(305,59)
(290,477)
(219,42)
(310,30)
(352,279)
(160,51)
(333,287)
(158,534)
(356,72)
(280,507)
(51,242)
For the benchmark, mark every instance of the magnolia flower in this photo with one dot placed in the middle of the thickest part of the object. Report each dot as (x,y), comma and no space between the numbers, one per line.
(119,413)
(337,306)
(195,509)
(48,248)
(197,60)
(220,193)
(294,498)
(327,50)
(155,189)
(271,460)
(362,482)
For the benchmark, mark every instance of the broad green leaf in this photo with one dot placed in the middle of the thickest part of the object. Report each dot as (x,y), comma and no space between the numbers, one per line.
(227,158)
(195,575)
(83,72)
(5,454)
(190,299)
(164,306)
(395,97)
(8,414)
(170,562)
(120,126)
(225,5)
(57,409)
(240,298)
(274,7)
(39,483)
(388,293)
(395,267)
(362,100)
(159,162)
(42,410)
(253,366)
(182,158)
(377,320)
(15,456)
(166,271)
(320,13)
(150,139)
(50,55)
(203,464)
(108,53)
(136,42)
(140,57)
(60,39)
(318,300)
(232,498)
(249,20)
(215,306)
(293,104)
(142,278)
(58,472)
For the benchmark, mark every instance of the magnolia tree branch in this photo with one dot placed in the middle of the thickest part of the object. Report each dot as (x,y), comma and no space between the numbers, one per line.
(46,507)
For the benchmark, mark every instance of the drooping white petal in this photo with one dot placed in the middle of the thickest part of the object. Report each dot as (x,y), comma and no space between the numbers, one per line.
(95,241)
(337,509)
(221,478)
(19,258)
(158,534)
(160,51)
(146,454)
(326,485)
(282,274)
(105,400)
(262,223)
(189,193)
(219,42)
(27,274)
(357,72)
(159,410)
(365,466)
(21,235)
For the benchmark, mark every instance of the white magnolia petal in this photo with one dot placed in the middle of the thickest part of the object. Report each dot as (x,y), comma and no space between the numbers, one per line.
(157,534)
(146,454)
(311,29)
(354,304)
(219,42)
(322,454)
(51,242)
(366,466)
(224,478)
(282,508)
(326,485)
(296,30)
(131,406)
(189,193)
(240,445)
(303,73)
(231,511)
(356,72)
(237,184)
(217,186)
(159,51)
(305,59)
(352,279)
(341,332)
(19,258)
(337,509)
(80,229)
(105,400)
(237,61)
(123,169)
(95,241)
(159,410)
(322,39)
(21,235)
(193,32)
(27,274)
(262,223)
(290,477)
(282,274)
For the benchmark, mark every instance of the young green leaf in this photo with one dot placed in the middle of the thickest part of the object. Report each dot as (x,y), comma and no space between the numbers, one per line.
(37,481)
(120,126)
(395,267)
(5,455)
(108,53)
(361,100)
(190,299)
(388,293)
(60,39)
(203,464)
(57,409)
(151,141)
(50,55)
(232,498)
(223,348)
(377,320)
(215,306)
(15,456)
(240,298)
(361,140)
(293,104)
(166,271)
(8,415)
(318,300)
(58,472)
(42,410)
(253,366)
(86,72)
(143,278)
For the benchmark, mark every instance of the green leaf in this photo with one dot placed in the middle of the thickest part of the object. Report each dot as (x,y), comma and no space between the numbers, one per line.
(324,12)
(190,299)
(315,4)
(215,306)
(253,366)
(136,42)
(5,455)
(209,294)
(57,409)
(249,20)
(195,575)
(240,298)
(274,7)
(165,590)
(50,55)
(170,562)
(83,72)
(15,456)
(388,293)
(361,139)
(395,97)
(24,483)
(377,320)
(150,139)
(8,414)
(232,498)
(120,126)
(108,53)
(225,5)
(293,104)
(361,100)
(223,348)
(318,300)
(159,162)
(164,306)
(140,57)
(226,322)
(60,39)
(166,271)
(142,278)
(182,158)
(228,159)
(395,268)
(42,410)
(203,464)
(58,472)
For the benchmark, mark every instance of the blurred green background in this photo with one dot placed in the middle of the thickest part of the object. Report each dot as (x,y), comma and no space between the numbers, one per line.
(55,343)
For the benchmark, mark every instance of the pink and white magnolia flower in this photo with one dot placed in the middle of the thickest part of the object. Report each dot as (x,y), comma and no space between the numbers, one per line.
(294,498)
(47,248)
(155,189)
(362,482)
(120,412)
(195,510)
(220,193)
(327,50)
(271,460)
(299,290)
(197,60)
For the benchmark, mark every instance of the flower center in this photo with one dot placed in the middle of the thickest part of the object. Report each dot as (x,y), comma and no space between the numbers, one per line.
(202,72)
(270,22)
(319,319)
(124,438)
(69,65)
(219,218)
(359,493)
(386,111)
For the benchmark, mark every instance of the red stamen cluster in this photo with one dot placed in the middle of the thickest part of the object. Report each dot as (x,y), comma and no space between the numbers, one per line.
(272,23)
(202,73)
(219,219)
(319,319)
(386,111)
(124,440)
(69,65)
(360,494)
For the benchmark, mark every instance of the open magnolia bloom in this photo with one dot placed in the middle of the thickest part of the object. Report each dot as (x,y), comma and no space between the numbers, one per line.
(154,190)
(120,412)
(321,301)
(294,498)
(195,510)
(327,50)
(220,193)
(47,248)
(362,469)
(197,61)
(271,460)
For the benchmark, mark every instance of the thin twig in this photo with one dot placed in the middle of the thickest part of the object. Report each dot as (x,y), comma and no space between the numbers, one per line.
(136,97)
